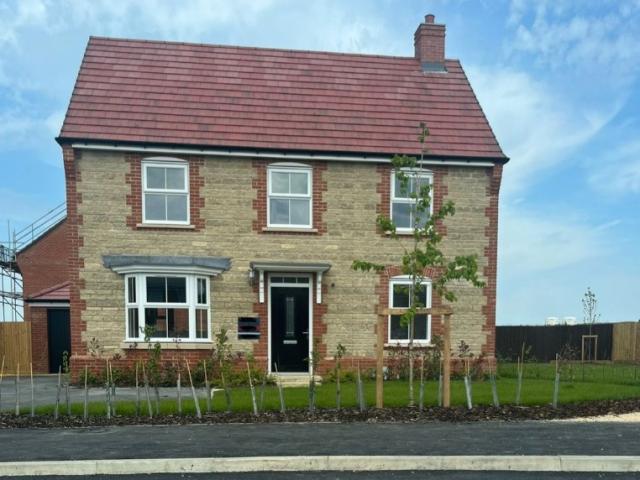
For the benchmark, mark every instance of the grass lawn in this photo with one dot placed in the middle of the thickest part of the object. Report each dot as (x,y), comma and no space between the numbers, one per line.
(534,392)
(618,373)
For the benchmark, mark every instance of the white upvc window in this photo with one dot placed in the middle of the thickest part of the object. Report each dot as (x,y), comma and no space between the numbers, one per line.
(403,212)
(170,307)
(401,296)
(289,202)
(165,192)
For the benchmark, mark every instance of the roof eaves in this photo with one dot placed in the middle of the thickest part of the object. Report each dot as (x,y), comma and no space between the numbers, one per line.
(382,156)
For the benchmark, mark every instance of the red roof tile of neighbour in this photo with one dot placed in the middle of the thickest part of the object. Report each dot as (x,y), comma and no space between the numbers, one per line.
(56,293)
(237,97)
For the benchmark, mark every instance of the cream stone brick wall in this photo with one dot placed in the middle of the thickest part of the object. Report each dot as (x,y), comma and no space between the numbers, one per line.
(351,199)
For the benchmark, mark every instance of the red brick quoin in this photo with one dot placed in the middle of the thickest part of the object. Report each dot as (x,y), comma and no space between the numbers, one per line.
(196,187)
(491,269)
(75,241)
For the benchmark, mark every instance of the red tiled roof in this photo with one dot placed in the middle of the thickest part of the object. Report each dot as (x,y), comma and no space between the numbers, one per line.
(56,293)
(236,97)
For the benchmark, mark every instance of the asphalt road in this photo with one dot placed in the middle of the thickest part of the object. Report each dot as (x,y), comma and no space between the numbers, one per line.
(480,438)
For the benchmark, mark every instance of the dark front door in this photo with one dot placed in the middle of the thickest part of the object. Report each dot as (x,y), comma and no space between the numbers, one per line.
(289,329)
(59,335)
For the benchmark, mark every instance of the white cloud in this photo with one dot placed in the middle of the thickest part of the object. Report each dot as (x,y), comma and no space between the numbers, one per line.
(54,122)
(186,19)
(600,35)
(536,127)
(532,242)
(17,15)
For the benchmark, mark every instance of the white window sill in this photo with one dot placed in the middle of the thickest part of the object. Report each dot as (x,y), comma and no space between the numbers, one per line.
(166,225)
(416,343)
(167,345)
(290,229)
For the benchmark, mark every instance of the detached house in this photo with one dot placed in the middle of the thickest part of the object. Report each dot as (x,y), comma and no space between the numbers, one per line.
(213,187)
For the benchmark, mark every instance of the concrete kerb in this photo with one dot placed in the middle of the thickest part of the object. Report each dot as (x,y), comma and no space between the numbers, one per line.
(356,463)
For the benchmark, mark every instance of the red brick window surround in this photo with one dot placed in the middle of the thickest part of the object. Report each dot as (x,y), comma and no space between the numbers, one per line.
(134,199)
(260,184)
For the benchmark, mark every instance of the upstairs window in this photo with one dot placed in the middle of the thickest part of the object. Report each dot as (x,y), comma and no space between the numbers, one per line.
(400,296)
(289,202)
(165,197)
(403,203)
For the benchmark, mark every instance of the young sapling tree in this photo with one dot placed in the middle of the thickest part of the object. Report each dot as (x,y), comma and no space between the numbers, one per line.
(590,317)
(340,352)
(421,252)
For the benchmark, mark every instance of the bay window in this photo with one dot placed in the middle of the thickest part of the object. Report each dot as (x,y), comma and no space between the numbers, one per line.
(401,296)
(167,307)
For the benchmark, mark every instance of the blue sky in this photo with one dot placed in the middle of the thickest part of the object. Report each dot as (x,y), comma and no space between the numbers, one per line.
(558,80)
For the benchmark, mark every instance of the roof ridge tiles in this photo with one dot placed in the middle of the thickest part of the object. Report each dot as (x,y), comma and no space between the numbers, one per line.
(165,43)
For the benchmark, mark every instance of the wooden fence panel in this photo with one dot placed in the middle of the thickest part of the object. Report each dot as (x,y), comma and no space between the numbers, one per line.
(546,341)
(626,344)
(15,346)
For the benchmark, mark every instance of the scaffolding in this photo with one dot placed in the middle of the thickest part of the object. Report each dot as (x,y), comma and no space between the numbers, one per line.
(11,286)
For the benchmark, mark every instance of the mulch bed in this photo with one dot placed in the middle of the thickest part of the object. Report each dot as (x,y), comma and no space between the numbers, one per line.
(346,415)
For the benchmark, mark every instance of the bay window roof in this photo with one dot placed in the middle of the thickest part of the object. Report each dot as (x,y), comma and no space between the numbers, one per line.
(165,263)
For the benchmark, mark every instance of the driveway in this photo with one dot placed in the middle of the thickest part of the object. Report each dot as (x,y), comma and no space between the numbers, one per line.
(45,391)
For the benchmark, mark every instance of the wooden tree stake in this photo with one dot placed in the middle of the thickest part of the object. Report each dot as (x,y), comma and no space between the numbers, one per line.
(556,384)
(380,362)
(56,412)
(193,392)
(137,391)
(253,391)
(207,387)
(33,393)
(421,393)
(494,388)
(446,354)
(145,379)
(1,377)
(17,389)
(440,385)
(467,385)
(108,390)
(113,390)
(227,395)
(179,393)
(361,399)
(85,411)
(280,392)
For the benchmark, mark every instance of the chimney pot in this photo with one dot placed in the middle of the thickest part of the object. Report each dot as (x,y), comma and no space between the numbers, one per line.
(429,45)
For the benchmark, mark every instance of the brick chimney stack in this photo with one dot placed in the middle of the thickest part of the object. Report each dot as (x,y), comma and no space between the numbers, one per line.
(429,44)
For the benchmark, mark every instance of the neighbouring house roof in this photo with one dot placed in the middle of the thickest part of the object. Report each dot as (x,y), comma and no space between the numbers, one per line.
(57,293)
(149,263)
(166,93)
